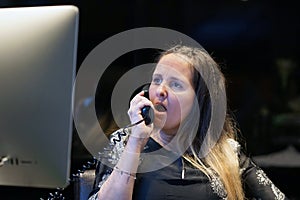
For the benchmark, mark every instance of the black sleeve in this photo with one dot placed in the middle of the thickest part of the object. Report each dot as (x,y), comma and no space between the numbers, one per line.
(102,173)
(110,155)
(257,185)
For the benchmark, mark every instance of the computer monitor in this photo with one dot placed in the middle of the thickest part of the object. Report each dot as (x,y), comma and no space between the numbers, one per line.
(38,51)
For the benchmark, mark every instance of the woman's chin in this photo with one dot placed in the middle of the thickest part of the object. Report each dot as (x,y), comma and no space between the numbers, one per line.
(159,124)
(160,118)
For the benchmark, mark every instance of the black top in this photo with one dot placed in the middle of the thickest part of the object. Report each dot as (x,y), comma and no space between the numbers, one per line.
(169,183)
(181,181)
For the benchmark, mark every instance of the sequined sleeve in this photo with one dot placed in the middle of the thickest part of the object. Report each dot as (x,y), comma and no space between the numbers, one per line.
(257,184)
(111,155)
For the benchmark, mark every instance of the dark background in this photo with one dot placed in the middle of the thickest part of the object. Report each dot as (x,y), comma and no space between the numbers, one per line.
(256,44)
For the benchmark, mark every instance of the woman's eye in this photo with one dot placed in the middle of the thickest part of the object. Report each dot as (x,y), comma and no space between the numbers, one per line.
(176,85)
(156,80)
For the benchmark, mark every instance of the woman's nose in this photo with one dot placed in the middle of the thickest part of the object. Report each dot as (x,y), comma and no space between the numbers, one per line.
(162,92)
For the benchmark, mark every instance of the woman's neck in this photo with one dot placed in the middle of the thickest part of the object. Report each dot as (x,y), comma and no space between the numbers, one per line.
(162,137)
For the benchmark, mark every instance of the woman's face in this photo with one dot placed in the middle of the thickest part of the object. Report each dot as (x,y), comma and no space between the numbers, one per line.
(172,92)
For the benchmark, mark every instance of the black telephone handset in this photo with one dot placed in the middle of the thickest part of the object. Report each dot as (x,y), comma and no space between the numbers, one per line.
(147,111)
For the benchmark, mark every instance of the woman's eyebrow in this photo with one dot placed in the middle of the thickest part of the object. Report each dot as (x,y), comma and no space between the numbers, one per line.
(157,75)
(178,79)
(175,78)
(171,78)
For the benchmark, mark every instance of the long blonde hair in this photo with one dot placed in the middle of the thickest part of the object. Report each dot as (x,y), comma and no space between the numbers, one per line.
(222,159)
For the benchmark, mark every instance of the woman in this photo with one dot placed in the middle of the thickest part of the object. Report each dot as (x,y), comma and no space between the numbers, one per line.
(179,169)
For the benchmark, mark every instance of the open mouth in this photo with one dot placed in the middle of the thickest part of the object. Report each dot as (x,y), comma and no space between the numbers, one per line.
(160,108)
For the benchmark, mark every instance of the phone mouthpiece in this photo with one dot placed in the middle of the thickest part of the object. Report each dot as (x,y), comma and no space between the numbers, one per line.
(148,114)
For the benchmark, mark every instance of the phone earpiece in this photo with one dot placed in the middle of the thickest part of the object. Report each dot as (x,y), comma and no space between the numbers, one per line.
(147,112)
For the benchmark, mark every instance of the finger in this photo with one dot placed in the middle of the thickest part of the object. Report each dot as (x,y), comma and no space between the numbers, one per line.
(135,108)
(134,100)
(139,97)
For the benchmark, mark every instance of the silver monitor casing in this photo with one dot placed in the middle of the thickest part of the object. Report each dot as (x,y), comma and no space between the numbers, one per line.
(38,51)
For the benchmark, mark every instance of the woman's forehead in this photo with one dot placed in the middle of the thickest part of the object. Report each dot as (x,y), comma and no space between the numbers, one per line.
(174,60)
(175,66)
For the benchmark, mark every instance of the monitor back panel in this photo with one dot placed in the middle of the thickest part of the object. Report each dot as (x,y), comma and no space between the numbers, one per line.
(37,70)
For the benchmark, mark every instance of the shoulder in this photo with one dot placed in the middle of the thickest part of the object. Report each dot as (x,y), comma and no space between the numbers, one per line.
(235,145)
(256,182)
(118,136)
